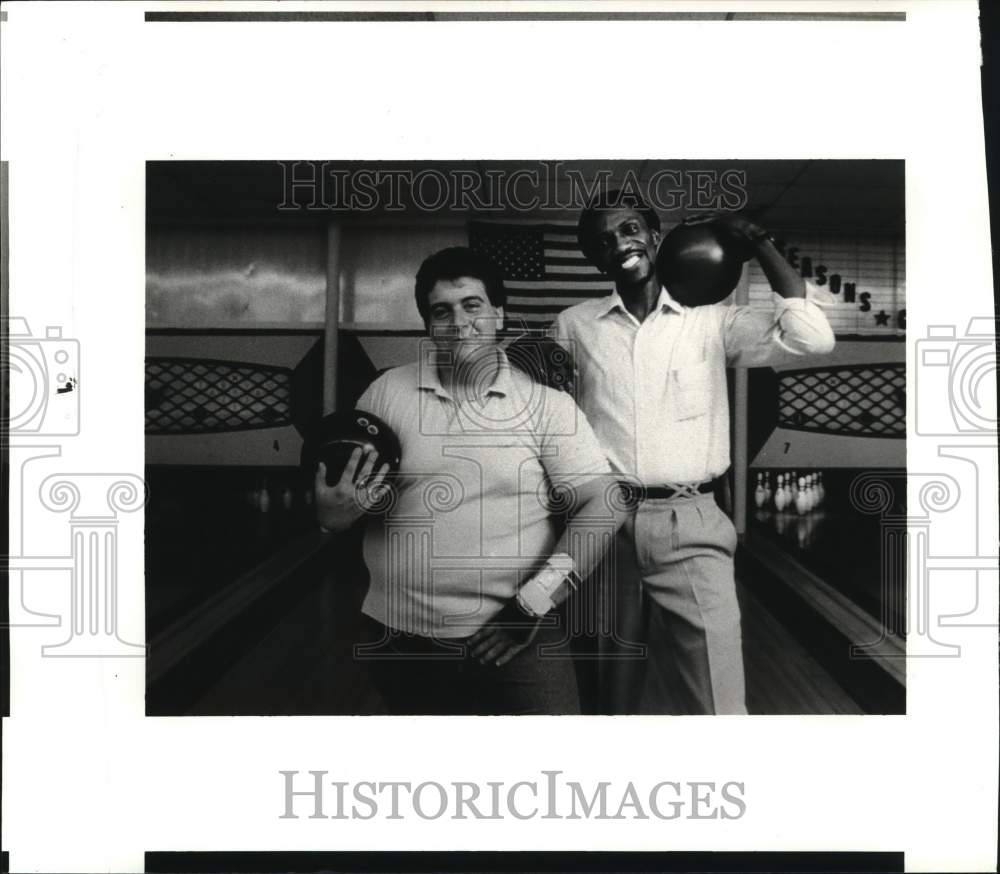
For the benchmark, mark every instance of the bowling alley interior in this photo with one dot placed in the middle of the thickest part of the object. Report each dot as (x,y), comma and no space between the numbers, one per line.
(277,291)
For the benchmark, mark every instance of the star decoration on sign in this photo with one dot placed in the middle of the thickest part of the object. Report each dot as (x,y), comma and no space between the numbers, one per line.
(881,318)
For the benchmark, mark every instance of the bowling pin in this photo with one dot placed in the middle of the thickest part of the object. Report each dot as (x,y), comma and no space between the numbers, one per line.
(759,495)
(801,499)
(780,498)
(264,503)
(307,496)
(793,489)
(286,498)
(767,488)
(819,487)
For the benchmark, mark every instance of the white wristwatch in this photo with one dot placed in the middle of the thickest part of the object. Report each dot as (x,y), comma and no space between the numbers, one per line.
(535,596)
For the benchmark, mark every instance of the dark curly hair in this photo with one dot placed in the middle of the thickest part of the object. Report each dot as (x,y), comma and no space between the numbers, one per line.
(454,263)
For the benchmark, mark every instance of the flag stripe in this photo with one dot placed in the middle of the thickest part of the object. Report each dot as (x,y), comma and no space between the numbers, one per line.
(581,289)
(563,246)
(540,309)
(572,265)
(580,280)
(517,296)
(542,265)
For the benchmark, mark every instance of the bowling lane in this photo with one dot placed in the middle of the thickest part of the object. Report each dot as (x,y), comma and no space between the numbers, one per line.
(782,677)
(205,527)
(304,664)
(832,539)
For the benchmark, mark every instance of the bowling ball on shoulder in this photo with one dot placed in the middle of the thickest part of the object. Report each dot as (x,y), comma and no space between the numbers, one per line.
(700,264)
(335,437)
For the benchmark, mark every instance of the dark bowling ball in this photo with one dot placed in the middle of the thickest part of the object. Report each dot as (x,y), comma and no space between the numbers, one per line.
(335,437)
(699,264)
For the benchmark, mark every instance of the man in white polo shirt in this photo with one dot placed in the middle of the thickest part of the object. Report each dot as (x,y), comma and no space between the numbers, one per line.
(469,554)
(652,382)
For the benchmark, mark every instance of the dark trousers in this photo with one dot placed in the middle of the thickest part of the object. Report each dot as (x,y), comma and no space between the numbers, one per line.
(422,675)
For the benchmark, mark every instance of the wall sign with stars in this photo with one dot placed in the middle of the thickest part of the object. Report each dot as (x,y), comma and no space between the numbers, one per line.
(866,273)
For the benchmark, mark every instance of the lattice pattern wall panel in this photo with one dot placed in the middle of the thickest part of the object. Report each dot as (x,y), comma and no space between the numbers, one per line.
(860,400)
(196,396)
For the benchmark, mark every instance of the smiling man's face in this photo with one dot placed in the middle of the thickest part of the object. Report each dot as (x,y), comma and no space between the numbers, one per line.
(461,319)
(624,247)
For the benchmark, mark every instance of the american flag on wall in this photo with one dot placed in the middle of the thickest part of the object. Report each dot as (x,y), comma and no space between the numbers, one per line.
(542,266)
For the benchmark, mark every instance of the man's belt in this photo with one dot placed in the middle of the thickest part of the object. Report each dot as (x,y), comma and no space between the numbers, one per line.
(633,493)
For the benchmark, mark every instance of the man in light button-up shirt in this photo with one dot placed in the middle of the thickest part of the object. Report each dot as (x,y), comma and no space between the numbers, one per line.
(652,383)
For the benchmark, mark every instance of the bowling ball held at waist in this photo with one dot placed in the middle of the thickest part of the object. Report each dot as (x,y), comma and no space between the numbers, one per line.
(334,438)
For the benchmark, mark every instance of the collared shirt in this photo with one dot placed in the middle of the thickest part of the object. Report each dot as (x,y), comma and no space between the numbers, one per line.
(655,392)
(472,513)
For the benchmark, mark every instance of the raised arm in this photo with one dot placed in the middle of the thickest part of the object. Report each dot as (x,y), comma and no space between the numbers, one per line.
(796,327)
